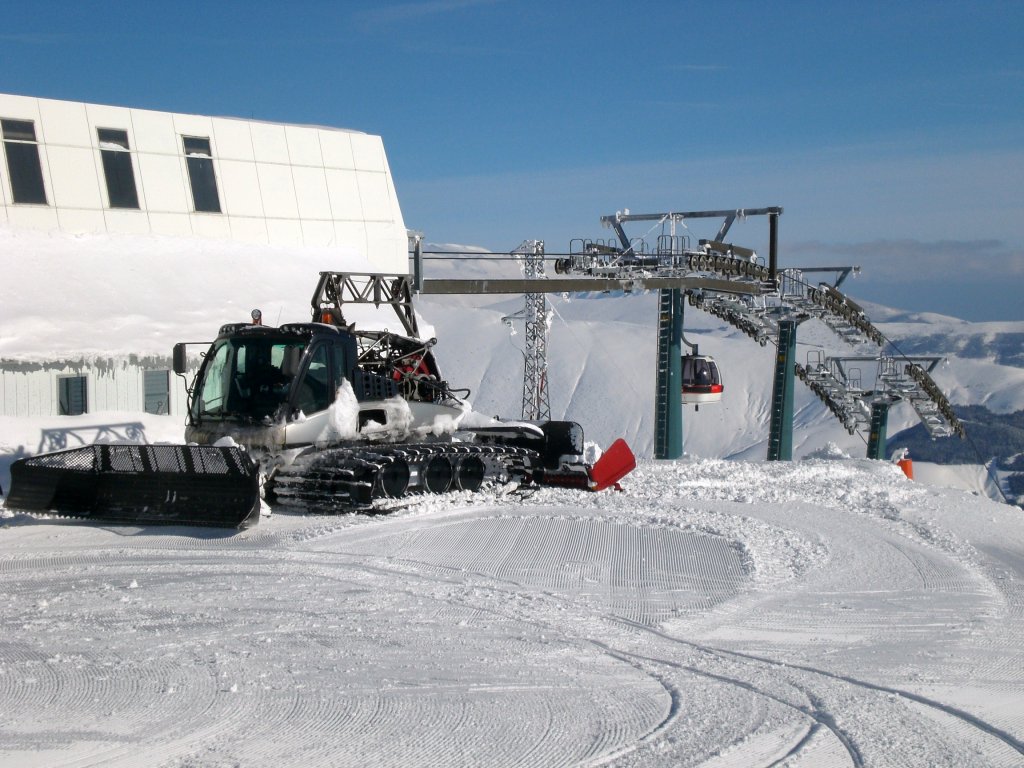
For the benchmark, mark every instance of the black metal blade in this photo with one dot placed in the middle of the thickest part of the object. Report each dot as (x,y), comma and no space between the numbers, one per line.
(141,484)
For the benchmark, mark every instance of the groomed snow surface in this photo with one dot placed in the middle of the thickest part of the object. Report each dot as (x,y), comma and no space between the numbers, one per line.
(825,612)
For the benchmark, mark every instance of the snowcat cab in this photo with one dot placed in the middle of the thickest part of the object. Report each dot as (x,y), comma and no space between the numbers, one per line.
(316,384)
(261,385)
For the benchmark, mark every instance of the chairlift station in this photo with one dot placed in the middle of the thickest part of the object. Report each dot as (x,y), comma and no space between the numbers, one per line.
(765,301)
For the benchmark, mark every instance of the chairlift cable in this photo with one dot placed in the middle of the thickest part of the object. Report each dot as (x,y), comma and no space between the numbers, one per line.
(579,343)
(988,468)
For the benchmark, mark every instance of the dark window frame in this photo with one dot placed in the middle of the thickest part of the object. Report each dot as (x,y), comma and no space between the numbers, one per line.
(315,392)
(72,395)
(156,397)
(201,174)
(24,167)
(117,168)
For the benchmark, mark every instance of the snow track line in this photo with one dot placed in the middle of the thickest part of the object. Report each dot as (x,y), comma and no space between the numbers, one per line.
(795,750)
(1008,739)
(815,712)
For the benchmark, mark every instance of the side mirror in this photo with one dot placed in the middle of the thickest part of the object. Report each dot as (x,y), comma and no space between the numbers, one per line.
(290,363)
(180,359)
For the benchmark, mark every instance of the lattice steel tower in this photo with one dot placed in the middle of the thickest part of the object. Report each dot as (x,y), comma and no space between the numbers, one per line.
(536,405)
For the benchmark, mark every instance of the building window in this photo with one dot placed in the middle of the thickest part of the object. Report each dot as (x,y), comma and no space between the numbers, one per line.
(156,390)
(117,167)
(71,395)
(23,168)
(200,174)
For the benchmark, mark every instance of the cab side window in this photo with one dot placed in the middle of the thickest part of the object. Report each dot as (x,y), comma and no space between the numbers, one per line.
(314,393)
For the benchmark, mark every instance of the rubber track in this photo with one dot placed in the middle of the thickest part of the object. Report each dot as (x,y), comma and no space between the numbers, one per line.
(349,478)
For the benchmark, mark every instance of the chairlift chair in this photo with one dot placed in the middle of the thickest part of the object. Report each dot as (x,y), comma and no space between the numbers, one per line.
(702,381)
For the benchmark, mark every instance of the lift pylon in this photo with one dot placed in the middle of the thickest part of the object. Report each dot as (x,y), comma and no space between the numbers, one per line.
(668,409)
(879,426)
(673,254)
(536,403)
(780,437)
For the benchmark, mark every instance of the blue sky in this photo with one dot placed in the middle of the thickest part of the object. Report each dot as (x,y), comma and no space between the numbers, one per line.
(891,132)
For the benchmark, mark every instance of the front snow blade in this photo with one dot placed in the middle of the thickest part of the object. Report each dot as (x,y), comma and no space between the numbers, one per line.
(141,484)
(614,464)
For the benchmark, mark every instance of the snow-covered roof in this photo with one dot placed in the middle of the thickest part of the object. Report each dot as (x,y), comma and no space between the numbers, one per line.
(71,297)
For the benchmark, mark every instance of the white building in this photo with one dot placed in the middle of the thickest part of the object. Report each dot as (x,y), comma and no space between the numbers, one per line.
(84,186)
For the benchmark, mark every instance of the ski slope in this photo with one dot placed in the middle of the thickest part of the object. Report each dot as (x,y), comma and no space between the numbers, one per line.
(719,613)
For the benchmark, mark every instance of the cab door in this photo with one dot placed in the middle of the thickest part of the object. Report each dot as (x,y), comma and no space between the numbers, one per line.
(312,419)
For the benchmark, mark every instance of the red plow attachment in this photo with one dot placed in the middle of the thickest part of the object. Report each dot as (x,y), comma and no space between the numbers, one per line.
(614,464)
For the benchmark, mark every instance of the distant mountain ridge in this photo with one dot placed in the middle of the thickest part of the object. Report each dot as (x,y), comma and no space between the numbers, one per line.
(1003,348)
(993,439)
(990,436)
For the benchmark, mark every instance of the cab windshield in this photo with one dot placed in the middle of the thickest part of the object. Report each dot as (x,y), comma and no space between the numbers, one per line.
(242,377)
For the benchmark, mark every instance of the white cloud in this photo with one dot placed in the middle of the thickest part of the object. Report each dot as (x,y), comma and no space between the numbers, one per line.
(408,12)
(908,260)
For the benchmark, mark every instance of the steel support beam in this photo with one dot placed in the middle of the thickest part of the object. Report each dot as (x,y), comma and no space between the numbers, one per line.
(417,261)
(627,247)
(724,229)
(668,396)
(773,247)
(780,437)
(879,427)
(336,289)
(679,215)
(438,286)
